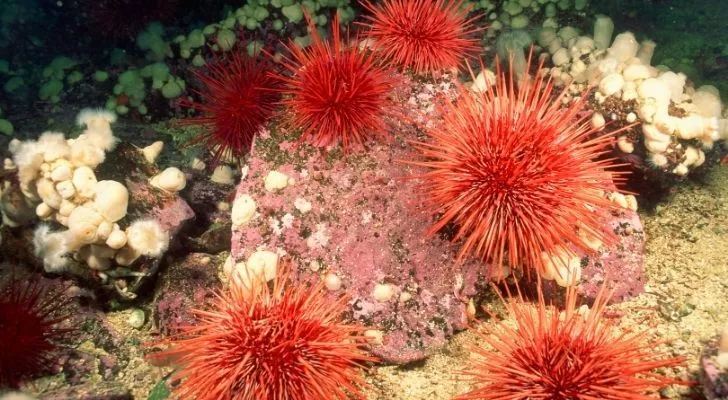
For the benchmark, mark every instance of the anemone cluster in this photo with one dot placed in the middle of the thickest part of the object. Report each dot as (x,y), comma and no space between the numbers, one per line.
(56,177)
(672,124)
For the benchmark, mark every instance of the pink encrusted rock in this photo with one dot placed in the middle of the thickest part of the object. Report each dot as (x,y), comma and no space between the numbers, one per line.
(622,264)
(170,210)
(365,226)
(713,378)
(359,218)
(188,284)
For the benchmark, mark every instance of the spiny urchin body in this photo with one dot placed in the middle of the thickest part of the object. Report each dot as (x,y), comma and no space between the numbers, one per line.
(336,92)
(515,172)
(559,355)
(29,327)
(426,36)
(237,98)
(261,344)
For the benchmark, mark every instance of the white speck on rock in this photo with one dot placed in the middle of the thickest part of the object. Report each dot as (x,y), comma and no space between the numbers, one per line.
(302,205)
(366,217)
(319,238)
(275,225)
(287,220)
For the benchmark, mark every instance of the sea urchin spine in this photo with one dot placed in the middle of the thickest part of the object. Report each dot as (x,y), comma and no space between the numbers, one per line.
(515,171)
(287,342)
(29,327)
(572,354)
(237,98)
(424,35)
(335,92)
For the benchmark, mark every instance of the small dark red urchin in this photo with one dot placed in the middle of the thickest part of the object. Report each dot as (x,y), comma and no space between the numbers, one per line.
(543,353)
(427,36)
(29,327)
(238,96)
(288,342)
(515,172)
(335,92)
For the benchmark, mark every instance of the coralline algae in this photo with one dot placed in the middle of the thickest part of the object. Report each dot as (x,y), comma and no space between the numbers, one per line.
(621,265)
(366,225)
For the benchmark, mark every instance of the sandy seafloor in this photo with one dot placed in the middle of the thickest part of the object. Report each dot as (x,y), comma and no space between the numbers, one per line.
(686,300)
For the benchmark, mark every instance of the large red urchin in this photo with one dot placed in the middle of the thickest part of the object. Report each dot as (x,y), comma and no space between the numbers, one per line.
(424,35)
(29,327)
(286,343)
(544,353)
(237,98)
(335,91)
(514,171)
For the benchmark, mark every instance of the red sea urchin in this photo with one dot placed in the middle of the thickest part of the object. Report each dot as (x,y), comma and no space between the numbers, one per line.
(237,98)
(425,35)
(262,344)
(574,354)
(515,172)
(29,319)
(336,91)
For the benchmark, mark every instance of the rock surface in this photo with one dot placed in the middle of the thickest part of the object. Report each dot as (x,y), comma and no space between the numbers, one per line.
(187,284)
(364,227)
(713,378)
(356,219)
(622,264)
(210,202)
(95,391)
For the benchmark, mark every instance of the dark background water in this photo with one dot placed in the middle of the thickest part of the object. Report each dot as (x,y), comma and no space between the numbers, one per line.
(685,31)
(691,37)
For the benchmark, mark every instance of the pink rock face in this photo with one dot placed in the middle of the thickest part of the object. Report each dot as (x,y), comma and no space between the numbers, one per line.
(170,210)
(359,218)
(188,284)
(365,226)
(713,378)
(622,265)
